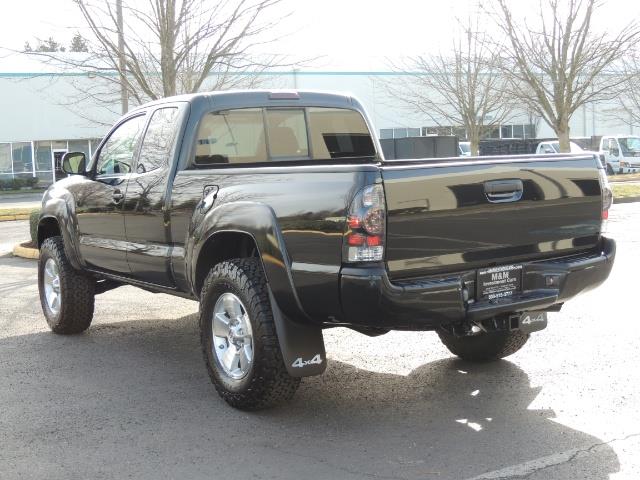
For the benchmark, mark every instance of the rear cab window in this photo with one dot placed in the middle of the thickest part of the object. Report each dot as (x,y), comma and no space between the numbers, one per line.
(287,133)
(258,135)
(339,133)
(231,136)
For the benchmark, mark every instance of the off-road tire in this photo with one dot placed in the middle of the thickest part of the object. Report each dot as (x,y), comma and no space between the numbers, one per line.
(484,347)
(267,383)
(77,291)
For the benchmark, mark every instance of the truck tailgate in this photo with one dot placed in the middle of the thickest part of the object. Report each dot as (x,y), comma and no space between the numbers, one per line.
(453,214)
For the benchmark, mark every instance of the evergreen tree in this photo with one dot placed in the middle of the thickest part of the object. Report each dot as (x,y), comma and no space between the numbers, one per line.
(78,44)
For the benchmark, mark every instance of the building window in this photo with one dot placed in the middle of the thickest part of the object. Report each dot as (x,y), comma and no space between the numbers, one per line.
(5,158)
(400,133)
(43,156)
(79,146)
(518,131)
(530,131)
(386,133)
(21,153)
(443,130)
(460,132)
(94,143)
(491,132)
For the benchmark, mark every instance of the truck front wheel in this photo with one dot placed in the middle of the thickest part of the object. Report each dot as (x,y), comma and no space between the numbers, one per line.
(66,294)
(238,337)
(485,346)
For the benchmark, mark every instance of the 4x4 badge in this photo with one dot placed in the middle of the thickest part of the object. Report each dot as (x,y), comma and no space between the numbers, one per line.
(300,363)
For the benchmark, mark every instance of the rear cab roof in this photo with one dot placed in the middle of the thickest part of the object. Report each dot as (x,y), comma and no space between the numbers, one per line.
(259,98)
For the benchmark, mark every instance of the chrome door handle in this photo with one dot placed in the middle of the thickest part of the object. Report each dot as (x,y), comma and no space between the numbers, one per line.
(499,191)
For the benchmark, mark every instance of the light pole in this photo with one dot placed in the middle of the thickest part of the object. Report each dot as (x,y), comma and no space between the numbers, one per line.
(124,101)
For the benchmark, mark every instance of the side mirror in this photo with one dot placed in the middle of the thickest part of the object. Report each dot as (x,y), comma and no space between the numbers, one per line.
(74,163)
(615,152)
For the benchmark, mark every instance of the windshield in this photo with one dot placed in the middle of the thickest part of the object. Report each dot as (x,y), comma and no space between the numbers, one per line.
(573,147)
(629,145)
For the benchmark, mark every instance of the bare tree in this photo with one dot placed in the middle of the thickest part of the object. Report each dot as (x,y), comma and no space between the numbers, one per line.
(462,88)
(171,47)
(627,109)
(560,64)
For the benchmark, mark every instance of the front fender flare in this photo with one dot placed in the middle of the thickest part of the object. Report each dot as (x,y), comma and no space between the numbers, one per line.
(61,207)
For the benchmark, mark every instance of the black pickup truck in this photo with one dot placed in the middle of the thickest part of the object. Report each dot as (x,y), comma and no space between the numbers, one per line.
(278,213)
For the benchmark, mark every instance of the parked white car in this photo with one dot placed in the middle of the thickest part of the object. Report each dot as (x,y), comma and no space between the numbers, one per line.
(621,153)
(554,147)
(464,149)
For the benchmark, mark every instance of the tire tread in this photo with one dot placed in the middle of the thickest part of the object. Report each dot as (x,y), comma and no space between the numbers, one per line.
(77,288)
(486,346)
(270,384)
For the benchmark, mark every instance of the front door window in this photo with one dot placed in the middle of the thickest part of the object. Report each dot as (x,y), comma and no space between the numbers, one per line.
(116,155)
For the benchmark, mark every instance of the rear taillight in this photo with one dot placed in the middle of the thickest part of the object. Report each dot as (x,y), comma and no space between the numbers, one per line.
(607,196)
(364,238)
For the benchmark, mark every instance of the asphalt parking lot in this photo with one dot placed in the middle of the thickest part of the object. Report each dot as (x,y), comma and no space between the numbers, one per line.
(131,397)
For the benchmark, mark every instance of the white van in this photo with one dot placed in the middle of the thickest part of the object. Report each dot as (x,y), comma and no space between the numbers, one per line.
(621,153)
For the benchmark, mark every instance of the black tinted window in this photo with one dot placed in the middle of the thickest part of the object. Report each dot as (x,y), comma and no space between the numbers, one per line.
(159,139)
(233,136)
(116,154)
(339,133)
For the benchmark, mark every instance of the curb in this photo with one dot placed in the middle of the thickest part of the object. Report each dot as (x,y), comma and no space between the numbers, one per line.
(25,252)
(9,218)
(625,200)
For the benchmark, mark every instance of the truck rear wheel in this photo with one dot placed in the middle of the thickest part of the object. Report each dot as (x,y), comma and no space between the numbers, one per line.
(66,294)
(485,346)
(238,337)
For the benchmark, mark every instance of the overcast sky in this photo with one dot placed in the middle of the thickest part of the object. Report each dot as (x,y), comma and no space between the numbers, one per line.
(349,34)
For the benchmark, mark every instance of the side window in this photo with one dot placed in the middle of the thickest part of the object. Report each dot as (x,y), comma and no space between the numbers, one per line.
(116,155)
(613,147)
(158,140)
(605,145)
(339,133)
(287,131)
(232,136)
(546,148)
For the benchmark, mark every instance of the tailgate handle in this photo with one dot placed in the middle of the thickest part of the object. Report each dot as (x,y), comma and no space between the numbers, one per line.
(498,191)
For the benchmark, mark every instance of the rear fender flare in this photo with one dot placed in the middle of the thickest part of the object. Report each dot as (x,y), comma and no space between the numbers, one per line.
(301,342)
(258,221)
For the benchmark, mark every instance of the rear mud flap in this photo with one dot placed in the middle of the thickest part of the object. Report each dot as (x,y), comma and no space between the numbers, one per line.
(302,346)
(530,322)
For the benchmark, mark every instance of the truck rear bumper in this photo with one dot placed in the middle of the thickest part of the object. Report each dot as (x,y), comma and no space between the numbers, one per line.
(370,299)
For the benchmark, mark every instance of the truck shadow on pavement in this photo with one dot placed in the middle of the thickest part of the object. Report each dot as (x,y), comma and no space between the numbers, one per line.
(133,399)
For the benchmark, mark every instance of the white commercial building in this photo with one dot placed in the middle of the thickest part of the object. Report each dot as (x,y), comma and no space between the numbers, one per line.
(44,113)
